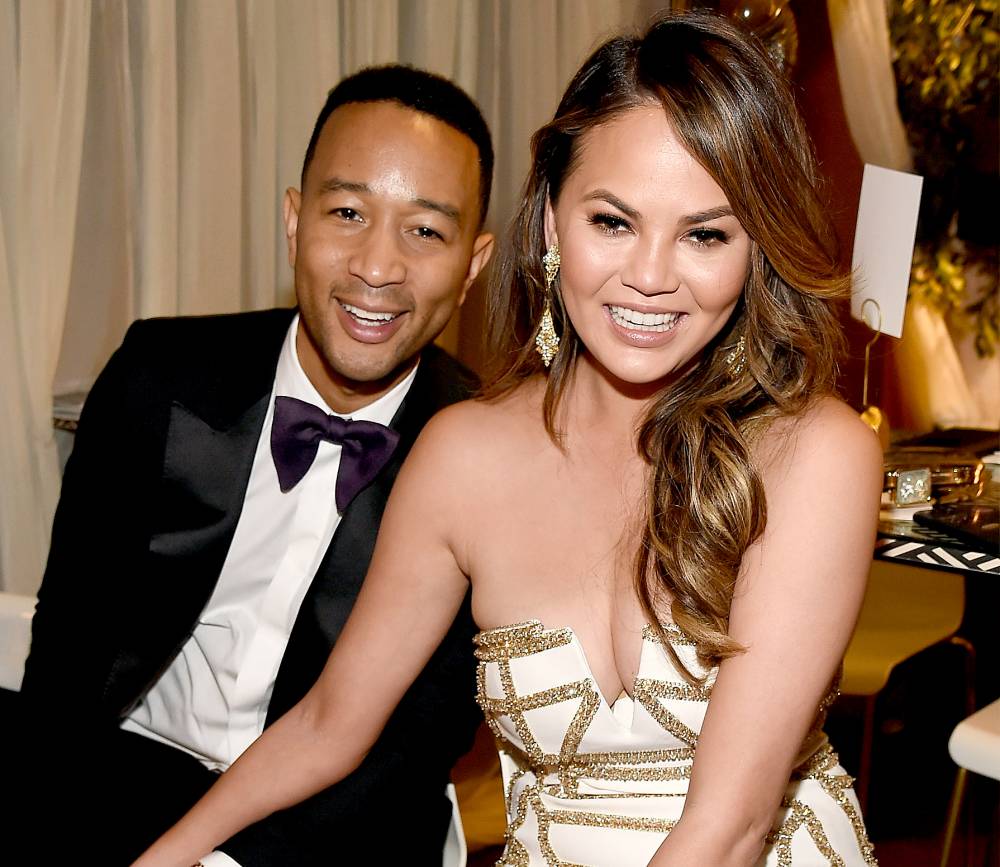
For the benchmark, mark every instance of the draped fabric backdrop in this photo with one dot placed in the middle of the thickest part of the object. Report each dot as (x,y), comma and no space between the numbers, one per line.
(145,149)
(146,145)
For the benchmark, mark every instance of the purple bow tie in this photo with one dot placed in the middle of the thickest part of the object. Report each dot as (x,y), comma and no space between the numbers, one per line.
(295,434)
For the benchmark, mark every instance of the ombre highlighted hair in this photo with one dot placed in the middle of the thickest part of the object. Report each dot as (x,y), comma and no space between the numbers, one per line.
(732,109)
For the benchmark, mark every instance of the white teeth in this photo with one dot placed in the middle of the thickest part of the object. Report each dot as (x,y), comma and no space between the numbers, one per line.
(368,315)
(636,321)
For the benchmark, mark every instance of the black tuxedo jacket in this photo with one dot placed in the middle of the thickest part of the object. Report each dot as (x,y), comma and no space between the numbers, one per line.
(150,500)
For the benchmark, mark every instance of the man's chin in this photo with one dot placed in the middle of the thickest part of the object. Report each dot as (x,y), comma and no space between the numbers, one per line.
(368,374)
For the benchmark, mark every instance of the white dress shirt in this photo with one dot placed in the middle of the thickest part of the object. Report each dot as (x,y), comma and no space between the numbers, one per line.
(212,701)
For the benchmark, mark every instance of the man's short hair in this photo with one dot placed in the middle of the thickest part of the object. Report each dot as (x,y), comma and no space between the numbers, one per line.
(424,92)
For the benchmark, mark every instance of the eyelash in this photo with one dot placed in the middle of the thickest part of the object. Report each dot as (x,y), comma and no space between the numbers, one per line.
(429,234)
(705,237)
(613,225)
(425,233)
(610,224)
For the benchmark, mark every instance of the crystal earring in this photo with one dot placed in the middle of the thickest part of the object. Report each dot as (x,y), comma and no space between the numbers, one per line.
(547,341)
(736,358)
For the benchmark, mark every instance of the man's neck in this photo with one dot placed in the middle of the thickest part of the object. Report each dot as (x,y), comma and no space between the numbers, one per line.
(345,396)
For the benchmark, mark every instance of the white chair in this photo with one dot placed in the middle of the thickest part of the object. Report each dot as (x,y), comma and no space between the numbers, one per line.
(455,850)
(15,638)
(974,746)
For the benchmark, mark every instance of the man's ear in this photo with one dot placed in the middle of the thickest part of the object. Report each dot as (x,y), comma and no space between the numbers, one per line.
(551,235)
(290,211)
(482,249)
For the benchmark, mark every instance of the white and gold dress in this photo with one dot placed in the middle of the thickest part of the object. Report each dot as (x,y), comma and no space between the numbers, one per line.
(588,783)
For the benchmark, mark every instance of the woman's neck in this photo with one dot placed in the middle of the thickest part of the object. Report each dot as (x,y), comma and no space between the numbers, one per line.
(598,403)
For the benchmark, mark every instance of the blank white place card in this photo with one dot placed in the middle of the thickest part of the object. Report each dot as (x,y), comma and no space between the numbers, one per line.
(883,246)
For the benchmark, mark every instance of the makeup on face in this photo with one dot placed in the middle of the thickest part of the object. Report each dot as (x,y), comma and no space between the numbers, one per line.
(653,258)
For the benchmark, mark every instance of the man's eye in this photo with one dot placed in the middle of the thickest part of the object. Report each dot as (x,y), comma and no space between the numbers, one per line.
(428,232)
(346,213)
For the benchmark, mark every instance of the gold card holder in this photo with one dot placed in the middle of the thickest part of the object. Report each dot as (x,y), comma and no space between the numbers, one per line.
(871,415)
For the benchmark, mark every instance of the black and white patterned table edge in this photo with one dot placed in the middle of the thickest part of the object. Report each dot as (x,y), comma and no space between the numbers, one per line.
(936,556)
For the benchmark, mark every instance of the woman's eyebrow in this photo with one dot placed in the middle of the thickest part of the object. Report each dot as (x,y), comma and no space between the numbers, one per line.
(709,214)
(612,199)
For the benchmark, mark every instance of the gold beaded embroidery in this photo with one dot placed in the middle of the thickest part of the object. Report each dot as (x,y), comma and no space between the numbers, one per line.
(677,638)
(569,767)
(819,767)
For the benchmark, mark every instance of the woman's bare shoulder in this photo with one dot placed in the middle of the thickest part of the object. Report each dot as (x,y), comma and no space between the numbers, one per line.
(476,431)
(827,438)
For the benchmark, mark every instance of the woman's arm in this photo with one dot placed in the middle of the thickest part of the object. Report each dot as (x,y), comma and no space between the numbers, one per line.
(410,597)
(796,603)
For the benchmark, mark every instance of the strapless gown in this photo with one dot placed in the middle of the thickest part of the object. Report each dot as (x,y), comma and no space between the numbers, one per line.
(588,783)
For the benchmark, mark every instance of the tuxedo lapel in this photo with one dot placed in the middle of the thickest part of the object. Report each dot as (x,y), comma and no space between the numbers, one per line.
(205,476)
(212,429)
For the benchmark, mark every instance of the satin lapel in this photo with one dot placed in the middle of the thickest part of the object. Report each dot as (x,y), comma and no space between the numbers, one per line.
(198,503)
(205,475)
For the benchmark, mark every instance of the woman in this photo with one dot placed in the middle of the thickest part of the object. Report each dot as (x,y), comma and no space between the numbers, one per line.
(663,506)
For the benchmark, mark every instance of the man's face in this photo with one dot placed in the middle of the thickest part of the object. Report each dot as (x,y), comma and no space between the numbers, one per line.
(384,242)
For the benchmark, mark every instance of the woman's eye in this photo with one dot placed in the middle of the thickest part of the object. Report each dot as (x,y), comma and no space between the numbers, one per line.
(610,224)
(704,237)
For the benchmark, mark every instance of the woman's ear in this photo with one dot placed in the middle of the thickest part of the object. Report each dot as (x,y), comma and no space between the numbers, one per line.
(551,235)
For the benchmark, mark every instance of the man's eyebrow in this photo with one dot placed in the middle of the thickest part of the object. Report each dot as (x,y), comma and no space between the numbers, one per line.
(335,185)
(449,211)
(612,199)
(709,215)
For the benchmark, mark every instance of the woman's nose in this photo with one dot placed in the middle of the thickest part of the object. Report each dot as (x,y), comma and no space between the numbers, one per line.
(650,267)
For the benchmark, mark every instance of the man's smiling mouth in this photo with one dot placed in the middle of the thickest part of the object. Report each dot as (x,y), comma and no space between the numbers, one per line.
(368,317)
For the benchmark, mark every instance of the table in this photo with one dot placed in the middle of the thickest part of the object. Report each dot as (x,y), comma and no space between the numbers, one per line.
(906,541)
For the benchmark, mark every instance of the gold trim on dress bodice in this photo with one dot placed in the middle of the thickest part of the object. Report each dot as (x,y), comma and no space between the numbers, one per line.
(556,780)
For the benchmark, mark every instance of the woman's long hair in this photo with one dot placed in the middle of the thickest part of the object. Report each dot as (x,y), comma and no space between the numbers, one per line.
(733,111)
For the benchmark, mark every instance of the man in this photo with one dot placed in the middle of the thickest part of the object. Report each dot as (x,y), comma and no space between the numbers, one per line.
(216,520)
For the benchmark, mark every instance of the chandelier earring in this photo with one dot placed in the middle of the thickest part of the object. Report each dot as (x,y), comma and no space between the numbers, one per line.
(736,358)
(546,340)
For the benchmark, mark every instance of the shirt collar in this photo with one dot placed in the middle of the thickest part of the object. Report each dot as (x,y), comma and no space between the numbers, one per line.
(290,380)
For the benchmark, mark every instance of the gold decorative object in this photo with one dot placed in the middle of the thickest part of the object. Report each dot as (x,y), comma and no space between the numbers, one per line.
(771,21)
(908,487)
(915,474)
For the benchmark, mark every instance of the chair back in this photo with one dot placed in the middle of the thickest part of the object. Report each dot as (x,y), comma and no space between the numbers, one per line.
(16,612)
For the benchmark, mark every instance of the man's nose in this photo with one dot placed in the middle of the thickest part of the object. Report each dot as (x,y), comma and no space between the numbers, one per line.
(650,269)
(377,258)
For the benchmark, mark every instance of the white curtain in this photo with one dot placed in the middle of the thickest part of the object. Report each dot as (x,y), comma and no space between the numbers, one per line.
(942,385)
(146,148)
(43,99)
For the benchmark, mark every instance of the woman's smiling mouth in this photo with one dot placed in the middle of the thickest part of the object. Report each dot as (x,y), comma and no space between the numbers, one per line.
(636,320)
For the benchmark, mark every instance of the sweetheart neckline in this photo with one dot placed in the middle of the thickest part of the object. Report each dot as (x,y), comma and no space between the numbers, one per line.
(648,636)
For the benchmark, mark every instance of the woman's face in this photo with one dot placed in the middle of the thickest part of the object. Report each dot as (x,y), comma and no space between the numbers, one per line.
(653,260)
